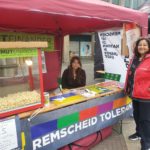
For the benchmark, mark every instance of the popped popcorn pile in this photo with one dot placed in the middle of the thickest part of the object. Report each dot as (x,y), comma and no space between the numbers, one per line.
(19,100)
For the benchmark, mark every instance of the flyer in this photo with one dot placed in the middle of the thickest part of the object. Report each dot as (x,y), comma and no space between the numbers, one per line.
(9,134)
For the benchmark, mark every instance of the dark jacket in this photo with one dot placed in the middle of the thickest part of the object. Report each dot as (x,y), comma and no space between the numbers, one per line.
(69,82)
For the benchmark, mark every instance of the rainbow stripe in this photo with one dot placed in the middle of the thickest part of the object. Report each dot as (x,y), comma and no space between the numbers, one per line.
(76,117)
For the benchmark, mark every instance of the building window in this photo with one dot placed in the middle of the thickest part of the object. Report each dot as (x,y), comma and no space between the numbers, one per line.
(80,45)
(117,2)
(128,3)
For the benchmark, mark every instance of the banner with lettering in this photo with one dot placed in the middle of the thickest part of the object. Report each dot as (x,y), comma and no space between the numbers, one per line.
(77,122)
(58,128)
(110,41)
(26,37)
(18,53)
(116,46)
(10,133)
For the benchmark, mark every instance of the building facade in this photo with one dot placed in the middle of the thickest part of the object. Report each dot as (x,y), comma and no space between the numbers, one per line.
(134,4)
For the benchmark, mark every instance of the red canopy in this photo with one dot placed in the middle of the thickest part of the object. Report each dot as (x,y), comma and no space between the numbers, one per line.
(62,17)
(65,16)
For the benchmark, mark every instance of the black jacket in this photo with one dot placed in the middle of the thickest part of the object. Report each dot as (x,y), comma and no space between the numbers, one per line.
(69,82)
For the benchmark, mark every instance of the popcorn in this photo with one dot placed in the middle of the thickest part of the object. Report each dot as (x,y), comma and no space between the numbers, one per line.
(19,100)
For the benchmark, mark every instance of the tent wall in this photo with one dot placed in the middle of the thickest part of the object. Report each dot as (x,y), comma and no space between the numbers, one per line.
(53,64)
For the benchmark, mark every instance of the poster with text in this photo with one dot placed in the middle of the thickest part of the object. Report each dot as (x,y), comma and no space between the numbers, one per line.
(110,41)
(117,47)
(10,134)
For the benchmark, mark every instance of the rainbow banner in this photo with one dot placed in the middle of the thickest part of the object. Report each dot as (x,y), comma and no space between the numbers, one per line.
(55,129)
(78,121)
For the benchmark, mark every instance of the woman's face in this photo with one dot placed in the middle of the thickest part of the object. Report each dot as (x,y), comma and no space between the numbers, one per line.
(75,64)
(143,47)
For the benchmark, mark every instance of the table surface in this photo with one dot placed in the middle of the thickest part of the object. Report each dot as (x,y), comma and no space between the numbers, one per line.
(52,106)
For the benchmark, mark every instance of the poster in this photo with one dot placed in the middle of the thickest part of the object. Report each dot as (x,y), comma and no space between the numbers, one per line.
(85,49)
(9,134)
(117,47)
(110,41)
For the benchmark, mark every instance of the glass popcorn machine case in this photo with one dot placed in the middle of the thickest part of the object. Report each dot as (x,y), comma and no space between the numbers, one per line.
(21,86)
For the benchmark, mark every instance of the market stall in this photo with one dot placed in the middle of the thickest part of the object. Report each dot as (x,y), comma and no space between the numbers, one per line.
(60,18)
(73,114)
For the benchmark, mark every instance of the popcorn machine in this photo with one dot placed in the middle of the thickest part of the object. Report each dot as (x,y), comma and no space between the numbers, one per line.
(21,82)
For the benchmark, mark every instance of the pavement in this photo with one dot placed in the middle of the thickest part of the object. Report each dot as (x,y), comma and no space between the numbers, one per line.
(120,141)
(116,141)
(128,129)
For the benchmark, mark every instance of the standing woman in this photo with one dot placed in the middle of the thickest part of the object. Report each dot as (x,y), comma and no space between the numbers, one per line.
(74,76)
(138,88)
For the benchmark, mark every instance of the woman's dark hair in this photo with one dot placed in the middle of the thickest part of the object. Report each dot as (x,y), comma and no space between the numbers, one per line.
(78,71)
(137,43)
(73,59)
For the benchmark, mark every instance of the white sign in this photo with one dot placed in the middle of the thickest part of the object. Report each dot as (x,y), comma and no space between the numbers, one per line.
(111,50)
(8,135)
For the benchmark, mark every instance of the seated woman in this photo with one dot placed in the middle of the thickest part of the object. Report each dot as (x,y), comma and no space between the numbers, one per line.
(74,76)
